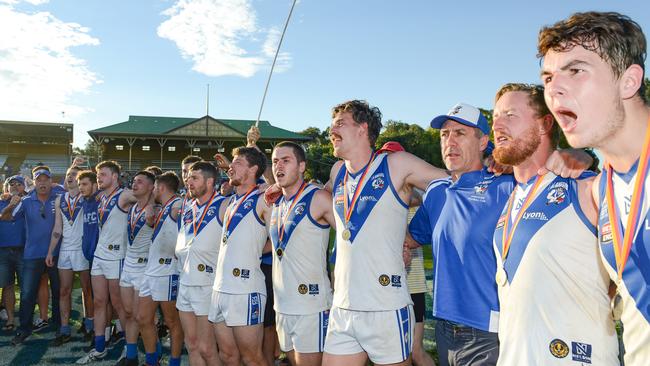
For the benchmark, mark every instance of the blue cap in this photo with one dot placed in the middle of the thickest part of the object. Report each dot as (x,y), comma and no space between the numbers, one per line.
(40,172)
(18,178)
(465,114)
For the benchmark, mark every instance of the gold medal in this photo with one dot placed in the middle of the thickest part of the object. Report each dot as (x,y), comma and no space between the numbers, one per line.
(70,222)
(501,277)
(346,234)
(279,252)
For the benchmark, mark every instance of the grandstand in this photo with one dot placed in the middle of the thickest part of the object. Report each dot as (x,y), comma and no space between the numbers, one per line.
(164,141)
(24,145)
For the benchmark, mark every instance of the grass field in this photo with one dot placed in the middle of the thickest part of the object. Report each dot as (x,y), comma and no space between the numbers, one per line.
(38,351)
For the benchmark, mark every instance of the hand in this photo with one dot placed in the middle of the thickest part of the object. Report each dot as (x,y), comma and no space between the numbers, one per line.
(5,196)
(78,160)
(272,194)
(49,260)
(222,161)
(150,211)
(496,168)
(15,200)
(406,254)
(567,163)
(252,136)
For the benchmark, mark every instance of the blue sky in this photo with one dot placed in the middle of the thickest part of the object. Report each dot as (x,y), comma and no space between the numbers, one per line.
(100,61)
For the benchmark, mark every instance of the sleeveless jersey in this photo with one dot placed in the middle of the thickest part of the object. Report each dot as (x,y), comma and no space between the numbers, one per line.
(197,245)
(242,241)
(72,220)
(300,282)
(370,273)
(554,302)
(162,261)
(111,244)
(634,289)
(139,240)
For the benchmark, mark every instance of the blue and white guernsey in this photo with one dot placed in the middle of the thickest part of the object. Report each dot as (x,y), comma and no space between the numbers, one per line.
(370,273)
(458,219)
(162,260)
(554,292)
(634,289)
(300,282)
(197,245)
(242,242)
(111,244)
(72,220)
(139,240)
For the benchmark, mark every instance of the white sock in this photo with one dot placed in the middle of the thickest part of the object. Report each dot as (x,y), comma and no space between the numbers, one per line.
(118,326)
(107,333)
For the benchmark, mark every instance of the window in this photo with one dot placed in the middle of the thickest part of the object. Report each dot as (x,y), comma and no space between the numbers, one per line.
(171,148)
(119,147)
(196,149)
(146,148)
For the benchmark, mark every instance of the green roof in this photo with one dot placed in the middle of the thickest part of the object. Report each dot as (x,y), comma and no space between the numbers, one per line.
(161,126)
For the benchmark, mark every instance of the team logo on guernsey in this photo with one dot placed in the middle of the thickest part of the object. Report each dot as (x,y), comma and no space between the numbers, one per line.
(581,352)
(248,204)
(113,247)
(161,261)
(300,208)
(558,348)
(142,260)
(313,289)
(236,272)
(210,211)
(201,267)
(480,188)
(378,183)
(384,280)
(302,289)
(606,233)
(165,261)
(557,193)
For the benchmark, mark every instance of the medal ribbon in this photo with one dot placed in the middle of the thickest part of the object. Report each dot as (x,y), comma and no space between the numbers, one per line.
(162,210)
(623,243)
(286,216)
(509,232)
(231,213)
(72,207)
(348,208)
(138,215)
(104,203)
(196,227)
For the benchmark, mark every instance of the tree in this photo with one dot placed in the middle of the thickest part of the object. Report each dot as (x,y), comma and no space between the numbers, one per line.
(91,151)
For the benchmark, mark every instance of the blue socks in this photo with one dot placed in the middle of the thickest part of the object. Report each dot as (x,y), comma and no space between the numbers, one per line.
(158,349)
(132,351)
(89,324)
(65,329)
(175,361)
(150,359)
(100,343)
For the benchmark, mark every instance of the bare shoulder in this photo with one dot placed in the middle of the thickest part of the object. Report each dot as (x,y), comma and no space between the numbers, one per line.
(335,169)
(322,197)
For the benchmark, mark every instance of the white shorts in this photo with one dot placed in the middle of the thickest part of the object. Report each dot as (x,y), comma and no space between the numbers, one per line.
(160,288)
(194,299)
(237,309)
(111,270)
(131,279)
(73,260)
(302,333)
(384,335)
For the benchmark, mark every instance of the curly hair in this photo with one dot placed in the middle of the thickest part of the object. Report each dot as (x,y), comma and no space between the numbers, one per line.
(362,112)
(616,38)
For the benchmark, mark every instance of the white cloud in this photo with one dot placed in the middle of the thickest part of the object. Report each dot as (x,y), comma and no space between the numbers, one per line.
(210,33)
(283,62)
(38,73)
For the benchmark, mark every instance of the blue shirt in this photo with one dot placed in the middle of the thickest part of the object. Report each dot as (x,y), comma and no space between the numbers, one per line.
(458,219)
(91,226)
(12,233)
(39,222)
